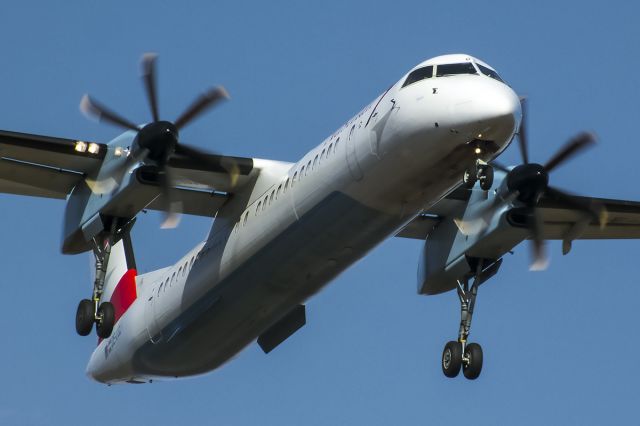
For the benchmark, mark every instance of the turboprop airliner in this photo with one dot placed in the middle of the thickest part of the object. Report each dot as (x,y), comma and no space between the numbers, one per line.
(417,162)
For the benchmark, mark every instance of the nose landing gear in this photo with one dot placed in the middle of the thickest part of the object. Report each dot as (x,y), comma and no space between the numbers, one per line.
(482,172)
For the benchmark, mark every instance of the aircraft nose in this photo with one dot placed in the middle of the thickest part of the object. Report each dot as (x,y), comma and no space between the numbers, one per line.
(491,111)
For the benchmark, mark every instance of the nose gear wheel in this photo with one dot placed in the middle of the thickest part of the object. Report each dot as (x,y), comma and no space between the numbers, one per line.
(481,172)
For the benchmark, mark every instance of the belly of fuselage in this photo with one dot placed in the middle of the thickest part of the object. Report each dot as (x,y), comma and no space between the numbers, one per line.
(296,264)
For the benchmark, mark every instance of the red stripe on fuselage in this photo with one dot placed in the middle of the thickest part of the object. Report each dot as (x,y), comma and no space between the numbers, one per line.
(125,293)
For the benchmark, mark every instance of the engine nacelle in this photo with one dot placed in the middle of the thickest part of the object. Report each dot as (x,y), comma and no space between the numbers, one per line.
(450,252)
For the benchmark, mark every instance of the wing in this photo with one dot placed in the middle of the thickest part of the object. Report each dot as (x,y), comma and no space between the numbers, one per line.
(621,220)
(449,206)
(222,172)
(419,228)
(45,166)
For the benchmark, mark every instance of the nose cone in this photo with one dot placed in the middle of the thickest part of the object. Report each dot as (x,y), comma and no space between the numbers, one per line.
(488,110)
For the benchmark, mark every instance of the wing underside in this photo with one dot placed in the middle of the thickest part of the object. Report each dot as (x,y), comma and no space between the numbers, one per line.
(45,166)
(621,220)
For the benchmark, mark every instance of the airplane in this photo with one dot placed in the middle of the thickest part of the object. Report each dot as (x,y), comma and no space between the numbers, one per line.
(417,162)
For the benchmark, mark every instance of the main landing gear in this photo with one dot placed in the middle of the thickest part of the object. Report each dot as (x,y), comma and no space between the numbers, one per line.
(460,354)
(92,311)
(482,172)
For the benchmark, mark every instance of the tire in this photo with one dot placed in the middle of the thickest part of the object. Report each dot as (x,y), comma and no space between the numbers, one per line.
(468,179)
(472,369)
(452,358)
(486,180)
(84,317)
(107,315)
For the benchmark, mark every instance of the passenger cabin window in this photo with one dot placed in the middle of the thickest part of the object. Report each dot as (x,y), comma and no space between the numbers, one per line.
(455,69)
(419,74)
(489,73)
(258,208)
(335,147)
(293,180)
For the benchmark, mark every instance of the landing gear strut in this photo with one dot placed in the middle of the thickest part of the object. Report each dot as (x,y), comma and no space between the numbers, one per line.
(92,311)
(457,354)
(482,172)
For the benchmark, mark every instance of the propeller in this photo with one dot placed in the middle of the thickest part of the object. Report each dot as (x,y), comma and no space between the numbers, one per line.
(156,142)
(529,182)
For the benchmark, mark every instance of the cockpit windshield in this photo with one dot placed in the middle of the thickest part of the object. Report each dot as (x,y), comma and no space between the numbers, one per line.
(455,69)
(489,72)
(445,70)
(419,74)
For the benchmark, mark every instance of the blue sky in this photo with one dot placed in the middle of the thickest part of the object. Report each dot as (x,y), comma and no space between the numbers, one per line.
(558,344)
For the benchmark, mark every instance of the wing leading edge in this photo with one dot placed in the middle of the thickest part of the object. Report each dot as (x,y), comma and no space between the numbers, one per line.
(45,166)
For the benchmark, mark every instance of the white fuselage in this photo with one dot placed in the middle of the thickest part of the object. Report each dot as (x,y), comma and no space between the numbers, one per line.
(300,225)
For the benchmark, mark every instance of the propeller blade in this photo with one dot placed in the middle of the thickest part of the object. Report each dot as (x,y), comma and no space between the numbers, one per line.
(205,159)
(522,133)
(202,103)
(500,167)
(538,249)
(91,108)
(172,208)
(595,209)
(198,155)
(232,169)
(578,143)
(482,218)
(148,66)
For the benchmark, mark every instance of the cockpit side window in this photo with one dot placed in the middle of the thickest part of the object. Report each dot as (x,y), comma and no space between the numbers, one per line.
(489,72)
(455,69)
(419,74)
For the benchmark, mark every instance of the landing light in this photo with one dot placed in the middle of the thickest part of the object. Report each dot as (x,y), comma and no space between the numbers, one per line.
(80,146)
(93,148)
(478,151)
(118,152)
